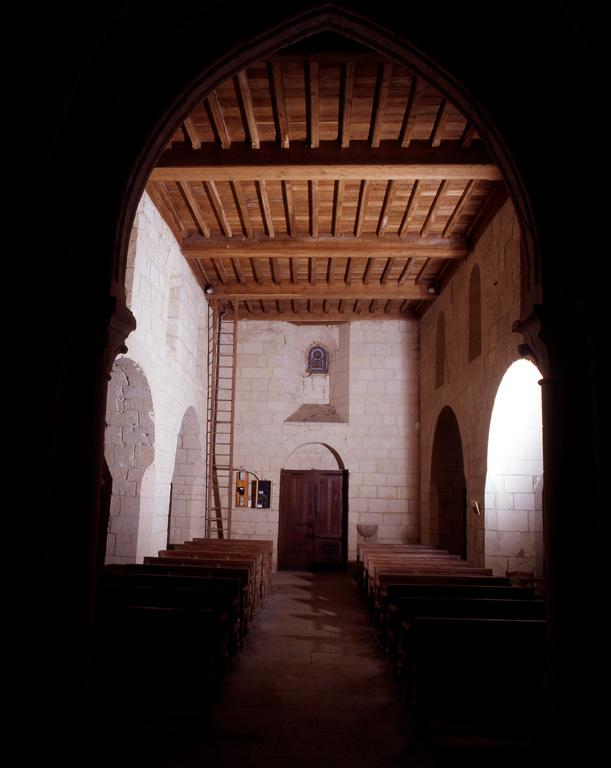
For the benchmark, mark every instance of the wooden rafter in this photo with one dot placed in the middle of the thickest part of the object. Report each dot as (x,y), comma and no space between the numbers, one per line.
(279,105)
(410,210)
(389,198)
(361,208)
(450,161)
(289,207)
(387,270)
(221,273)
(313,104)
(346,103)
(194,209)
(314,204)
(217,207)
(217,120)
(404,272)
(367,270)
(383,85)
(337,207)
(467,136)
(237,270)
(167,202)
(253,269)
(266,212)
(304,246)
(249,110)
(241,208)
(441,122)
(434,209)
(192,133)
(455,216)
(319,292)
(409,119)
(274,268)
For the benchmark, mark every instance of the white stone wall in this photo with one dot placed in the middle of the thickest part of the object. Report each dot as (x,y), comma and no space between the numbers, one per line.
(377,385)
(470,387)
(169,346)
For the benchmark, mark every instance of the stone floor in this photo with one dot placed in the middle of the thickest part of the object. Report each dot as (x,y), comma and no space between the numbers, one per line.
(311,689)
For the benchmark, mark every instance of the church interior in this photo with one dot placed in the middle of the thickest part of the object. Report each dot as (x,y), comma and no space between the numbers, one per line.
(322,390)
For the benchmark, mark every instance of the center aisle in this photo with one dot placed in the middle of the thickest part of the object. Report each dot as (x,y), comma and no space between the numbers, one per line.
(311,687)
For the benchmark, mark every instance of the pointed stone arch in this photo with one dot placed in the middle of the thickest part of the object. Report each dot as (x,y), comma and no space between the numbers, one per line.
(186,517)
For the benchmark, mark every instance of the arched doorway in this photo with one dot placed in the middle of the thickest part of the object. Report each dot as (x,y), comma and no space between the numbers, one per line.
(129,449)
(514,480)
(313,515)
(448,500)
(186,516)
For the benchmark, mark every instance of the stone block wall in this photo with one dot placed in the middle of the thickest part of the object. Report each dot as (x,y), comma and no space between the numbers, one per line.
(469,387)
(169,348)
(374,375)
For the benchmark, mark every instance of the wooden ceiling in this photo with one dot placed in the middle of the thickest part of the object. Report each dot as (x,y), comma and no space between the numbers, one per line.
(325,187)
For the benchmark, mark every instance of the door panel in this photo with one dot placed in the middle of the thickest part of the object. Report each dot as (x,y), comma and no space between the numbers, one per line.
(312,530)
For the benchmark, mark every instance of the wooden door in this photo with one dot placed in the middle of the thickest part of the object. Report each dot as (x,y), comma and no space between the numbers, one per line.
(312,532)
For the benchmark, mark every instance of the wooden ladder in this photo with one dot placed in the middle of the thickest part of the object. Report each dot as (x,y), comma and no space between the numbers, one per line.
(222,354)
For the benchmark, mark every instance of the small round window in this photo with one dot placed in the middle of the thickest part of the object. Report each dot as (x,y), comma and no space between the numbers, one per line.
(318,360)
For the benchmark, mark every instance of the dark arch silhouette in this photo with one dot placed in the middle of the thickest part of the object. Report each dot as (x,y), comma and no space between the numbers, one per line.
(448,484)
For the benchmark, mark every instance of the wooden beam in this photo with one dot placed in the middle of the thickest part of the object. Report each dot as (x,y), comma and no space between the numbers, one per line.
(266,211)
(409,119)
(192,133)
(303,317)
(289,208)
(491,206)
(274,268)
(333,292)
(387,269)
(404,272)
(249,110)
(279,105)
(346,103)
(304,247)
(220,270)
(237,270)
(464,199)
(389,198)
(313,104)
(367,270)
(217,120)
(337,207)
(361,208)
(253,268)
(410,210)
(217,207)
(467,136)
(347,273)
(194,209)
(441,122)
(175,222)
(242,208)
(434,209)
(314,204)
(450,161)
(382,86)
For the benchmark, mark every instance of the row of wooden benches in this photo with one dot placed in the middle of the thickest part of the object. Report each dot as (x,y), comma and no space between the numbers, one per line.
(467,646)
(193,602)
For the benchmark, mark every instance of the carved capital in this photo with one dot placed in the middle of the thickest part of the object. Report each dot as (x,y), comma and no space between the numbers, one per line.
(121,323)
(534,347)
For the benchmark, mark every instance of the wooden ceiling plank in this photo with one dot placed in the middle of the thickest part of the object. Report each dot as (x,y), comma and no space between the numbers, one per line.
(242,208)
(387,270)
(361,208)
(160,198)
(192,133)
(410,210)
(367,270)
(279,105)
(348,273)
(194,209)
(220,271)
(314,206)
(299,163)
(441,122)
(313,104)
(237,269)
(346,103)
(434,209)
(455,215)
(389,198)
(266,211)
(249,110)
(321,291)
(274,267)
(337,207)
(253,268)
(409,118)
(217,207)
(312,271)
(217,120)
(289,208)
(304,247)
(382,87)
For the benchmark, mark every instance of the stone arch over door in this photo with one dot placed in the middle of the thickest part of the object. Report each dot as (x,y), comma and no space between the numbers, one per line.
(448,489)
(314,456)
(514,477)
(187,499)
(129,450)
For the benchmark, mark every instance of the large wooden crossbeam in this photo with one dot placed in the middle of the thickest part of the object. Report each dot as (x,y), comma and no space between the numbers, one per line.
(320,292)
(329,161)
(411,246)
